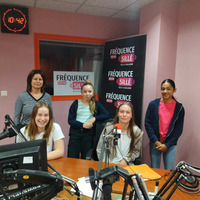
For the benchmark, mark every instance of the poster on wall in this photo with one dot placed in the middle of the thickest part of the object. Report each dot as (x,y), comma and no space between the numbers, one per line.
(69,83)
(123,74)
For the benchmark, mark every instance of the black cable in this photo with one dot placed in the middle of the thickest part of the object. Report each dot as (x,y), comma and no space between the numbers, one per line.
(193,188)
(2,191)
(9,122)
(188,191)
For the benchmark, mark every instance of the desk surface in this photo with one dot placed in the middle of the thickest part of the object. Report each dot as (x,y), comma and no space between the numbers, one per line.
(76,168)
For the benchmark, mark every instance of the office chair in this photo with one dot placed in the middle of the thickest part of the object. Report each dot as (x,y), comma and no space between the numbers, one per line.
(99,126)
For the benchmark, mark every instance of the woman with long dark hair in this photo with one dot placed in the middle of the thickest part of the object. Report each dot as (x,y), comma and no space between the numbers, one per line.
(130,141)
(26,100)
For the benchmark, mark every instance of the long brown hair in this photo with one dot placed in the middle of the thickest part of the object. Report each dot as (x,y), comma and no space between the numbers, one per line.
(92,101)
(32,126)
(130,131)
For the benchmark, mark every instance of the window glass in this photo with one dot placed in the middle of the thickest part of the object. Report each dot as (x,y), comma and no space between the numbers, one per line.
(70,56)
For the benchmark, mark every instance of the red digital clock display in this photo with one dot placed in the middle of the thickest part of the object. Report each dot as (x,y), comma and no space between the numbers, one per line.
(14,20)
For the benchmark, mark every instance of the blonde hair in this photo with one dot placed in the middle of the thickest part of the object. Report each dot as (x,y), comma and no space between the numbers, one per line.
(92,101)
(32,126)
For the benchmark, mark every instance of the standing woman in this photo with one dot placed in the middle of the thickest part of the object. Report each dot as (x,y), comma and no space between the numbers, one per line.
(41,126)
(82,116)
(130,141)
(34,93)
(164,125)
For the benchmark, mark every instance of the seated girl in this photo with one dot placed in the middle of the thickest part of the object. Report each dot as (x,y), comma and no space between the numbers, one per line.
(41,126)
(130,141)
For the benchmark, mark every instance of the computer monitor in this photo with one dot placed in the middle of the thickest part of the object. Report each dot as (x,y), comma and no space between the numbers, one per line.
(25,155)
(23,172)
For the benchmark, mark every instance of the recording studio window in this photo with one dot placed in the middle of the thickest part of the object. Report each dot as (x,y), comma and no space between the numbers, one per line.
(70,56)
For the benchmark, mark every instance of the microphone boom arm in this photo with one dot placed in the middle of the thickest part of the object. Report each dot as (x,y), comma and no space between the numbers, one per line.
(181,172)
(9,123)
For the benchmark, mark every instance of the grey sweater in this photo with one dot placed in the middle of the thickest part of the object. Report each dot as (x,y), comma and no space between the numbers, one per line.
(138,133)
(24,106)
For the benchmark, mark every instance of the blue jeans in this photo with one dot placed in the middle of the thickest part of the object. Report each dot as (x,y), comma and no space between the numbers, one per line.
(168,157)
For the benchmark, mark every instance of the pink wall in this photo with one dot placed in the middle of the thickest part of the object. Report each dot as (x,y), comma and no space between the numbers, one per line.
(173,31)
(187,78)
(150,20)
(168,42)
(17,53)
(55,22)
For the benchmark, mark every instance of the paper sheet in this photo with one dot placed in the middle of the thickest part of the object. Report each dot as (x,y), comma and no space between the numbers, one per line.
(85,187)
(145,171)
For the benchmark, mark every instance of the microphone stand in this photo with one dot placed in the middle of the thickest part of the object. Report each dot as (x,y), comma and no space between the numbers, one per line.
(109,175)
(9,123)
(73,184)
(105,141)
(106,151)
(181,172)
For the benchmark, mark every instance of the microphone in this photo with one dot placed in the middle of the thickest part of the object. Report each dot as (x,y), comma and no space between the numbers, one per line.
(92,178)
(117,128)
(7,133)
(7,122)
(107,189)
(108,182)
(117,132)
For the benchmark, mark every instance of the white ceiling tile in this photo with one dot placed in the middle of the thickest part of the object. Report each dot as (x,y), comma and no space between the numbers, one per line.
(109,8)
(138,4)
(91,10)
(113,4)
(55,5)
(28,3)
(70,1)
(132,8)
(127,15)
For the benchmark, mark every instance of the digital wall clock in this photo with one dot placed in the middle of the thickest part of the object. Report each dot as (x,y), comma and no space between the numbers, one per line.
(14,19)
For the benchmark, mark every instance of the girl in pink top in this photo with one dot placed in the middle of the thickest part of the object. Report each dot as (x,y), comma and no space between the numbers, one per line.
(164,125)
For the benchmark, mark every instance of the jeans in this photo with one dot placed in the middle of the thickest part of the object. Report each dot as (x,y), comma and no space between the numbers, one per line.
(80,142)
(168,157)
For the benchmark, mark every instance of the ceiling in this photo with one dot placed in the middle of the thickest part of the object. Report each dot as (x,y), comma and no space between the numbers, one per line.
(124,9)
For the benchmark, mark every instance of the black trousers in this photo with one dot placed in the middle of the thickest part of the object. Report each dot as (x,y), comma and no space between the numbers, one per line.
(80,142)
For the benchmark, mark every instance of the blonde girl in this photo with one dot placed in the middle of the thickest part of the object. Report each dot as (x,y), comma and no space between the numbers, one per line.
(83,114)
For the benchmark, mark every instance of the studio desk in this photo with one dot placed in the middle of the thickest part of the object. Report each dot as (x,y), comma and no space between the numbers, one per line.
(76,168)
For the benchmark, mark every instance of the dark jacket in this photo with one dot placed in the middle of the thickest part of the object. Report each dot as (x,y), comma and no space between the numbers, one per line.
(175,127)
(100,114)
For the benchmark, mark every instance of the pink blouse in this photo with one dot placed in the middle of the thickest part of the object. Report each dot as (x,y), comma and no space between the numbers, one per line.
(165,112)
